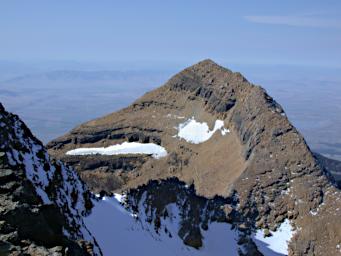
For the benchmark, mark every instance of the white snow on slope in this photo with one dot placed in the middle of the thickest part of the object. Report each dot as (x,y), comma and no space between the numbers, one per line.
(125,148)
(68,195)
(277,243)
(119,233)
(196,132)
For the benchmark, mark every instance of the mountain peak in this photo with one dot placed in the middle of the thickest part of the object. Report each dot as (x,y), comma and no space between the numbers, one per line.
(205,63)
(205,66)
(208,65)
(221,134)
(208,73)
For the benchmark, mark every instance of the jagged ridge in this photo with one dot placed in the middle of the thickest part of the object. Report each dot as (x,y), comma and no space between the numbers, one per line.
(42,201)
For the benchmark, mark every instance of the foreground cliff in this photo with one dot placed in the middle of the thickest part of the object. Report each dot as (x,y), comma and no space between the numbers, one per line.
(43,202)
(211,129)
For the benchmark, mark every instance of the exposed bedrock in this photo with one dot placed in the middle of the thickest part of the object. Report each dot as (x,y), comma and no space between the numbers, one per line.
(42,202)
(263,158)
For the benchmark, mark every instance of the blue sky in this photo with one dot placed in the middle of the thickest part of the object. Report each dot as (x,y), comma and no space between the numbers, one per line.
(248,32)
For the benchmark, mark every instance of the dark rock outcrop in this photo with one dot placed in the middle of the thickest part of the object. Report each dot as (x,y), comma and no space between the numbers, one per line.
(42,202)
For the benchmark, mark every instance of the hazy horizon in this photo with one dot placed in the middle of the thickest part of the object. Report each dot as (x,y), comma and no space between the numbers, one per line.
(290,48)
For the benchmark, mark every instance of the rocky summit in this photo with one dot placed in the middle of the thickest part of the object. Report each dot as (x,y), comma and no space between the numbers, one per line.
(225,137)
(208,164)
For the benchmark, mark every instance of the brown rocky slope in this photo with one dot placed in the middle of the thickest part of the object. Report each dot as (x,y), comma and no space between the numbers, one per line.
(263,160)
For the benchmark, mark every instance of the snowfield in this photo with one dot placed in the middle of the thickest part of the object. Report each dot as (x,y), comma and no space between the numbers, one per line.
(125,148)
(196,132)
(118,232)
(277,243)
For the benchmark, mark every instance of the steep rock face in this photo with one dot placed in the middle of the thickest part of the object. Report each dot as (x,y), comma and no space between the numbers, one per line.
(262,159)
(42,202)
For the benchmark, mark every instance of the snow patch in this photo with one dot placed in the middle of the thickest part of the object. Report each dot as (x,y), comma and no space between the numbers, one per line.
(34,165)
(313,212)
(196,132)
(175,116)
(120,198)
(125,148)
(277,243)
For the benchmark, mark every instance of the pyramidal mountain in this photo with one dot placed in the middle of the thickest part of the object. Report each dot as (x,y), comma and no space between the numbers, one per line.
(207,164)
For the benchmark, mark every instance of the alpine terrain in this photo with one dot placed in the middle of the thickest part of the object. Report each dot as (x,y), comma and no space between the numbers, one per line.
(207,164)
(43,203)
(219,150)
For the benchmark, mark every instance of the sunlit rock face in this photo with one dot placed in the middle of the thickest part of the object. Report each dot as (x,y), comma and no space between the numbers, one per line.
(225,137)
